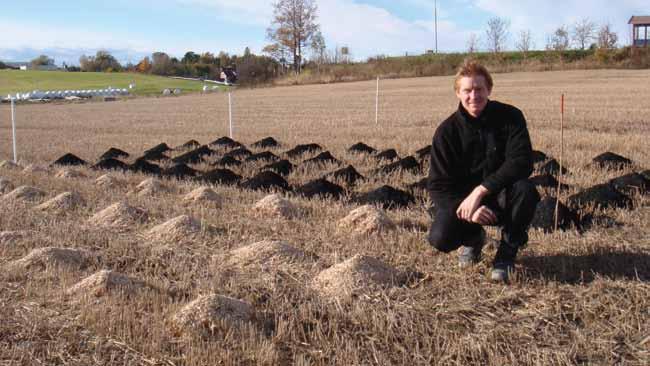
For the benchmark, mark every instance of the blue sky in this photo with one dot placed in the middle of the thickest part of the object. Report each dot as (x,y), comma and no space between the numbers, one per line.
(131,29)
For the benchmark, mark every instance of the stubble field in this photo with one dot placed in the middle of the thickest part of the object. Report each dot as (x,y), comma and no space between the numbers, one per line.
(327,293)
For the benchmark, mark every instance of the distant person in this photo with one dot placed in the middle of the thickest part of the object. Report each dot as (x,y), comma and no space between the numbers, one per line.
(481,157)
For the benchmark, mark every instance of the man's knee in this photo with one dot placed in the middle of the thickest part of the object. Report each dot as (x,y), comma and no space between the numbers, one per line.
(526,190)
(440,239)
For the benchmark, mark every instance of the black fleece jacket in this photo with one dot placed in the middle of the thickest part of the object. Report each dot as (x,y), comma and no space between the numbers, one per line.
(493,150)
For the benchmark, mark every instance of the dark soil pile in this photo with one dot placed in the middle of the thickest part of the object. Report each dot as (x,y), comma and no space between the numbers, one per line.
(143,166)
(424,153)
(419,185)
(154,156)
(221,176)
(160,148)
(264,155)
(600,195)
(389,154)
(302,149)
(408,164)
(266,180)
(69,159)
(552,167)
(238,153)
(591,220)
(227,161)
(265,143)
(539,156)
(610,160)
(546,181)
(321,188)
(195,156)
(114,153)
(646,174)
(111,164)
(631,183)
(180,171)
(349,175)
(226,142)
(191,144)
(386,196)
(282,167)
(322,158)
(361,148)
(545,216)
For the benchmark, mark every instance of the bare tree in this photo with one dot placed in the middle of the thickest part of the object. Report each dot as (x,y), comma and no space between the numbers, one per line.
(318,48)
(472,43)
(293,26)
(583,32)
(607,38)
(497,34)
(525,41)
(559,40)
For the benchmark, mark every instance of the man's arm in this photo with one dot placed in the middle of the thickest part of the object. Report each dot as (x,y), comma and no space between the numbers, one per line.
(442,182)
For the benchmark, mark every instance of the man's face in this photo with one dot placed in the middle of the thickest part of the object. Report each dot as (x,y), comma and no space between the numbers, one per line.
(473,94)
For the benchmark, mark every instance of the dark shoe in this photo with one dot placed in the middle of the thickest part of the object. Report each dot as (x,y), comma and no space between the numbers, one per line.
(504,262)
(470,253)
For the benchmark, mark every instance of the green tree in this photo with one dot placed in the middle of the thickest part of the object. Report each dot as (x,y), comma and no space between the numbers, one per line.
(190,58)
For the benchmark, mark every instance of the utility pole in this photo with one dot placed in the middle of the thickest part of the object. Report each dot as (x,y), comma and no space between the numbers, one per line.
(435,21)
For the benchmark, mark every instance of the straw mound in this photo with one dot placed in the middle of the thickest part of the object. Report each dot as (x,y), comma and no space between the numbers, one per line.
(9,237)
(118,215)
(24,193)
(177,229)
(103,282)
(5,186)
(209,311)
(366,220)
(356,275)
(149,187)
(68,173)
(6,164)
(34,168)
(267,253)
(202,195)
(108,181)
(275,205)
(51,256)
(64,201)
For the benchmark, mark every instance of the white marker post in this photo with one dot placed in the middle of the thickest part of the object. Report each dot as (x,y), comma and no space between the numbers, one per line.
(377,103)
(230,113)
(13,128)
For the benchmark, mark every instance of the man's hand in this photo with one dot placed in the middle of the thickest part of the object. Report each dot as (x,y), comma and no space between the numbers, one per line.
(471,203)
(484,216)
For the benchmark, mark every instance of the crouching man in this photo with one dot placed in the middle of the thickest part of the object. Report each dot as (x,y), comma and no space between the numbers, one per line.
(480,162)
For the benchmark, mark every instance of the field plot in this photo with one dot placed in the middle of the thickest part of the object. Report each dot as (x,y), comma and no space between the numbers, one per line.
(181,255)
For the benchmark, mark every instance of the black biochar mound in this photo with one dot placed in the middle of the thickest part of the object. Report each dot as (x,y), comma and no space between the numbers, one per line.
(111,164)
(226,142)
(221,176)
(321,188)
(419,185)
(264,155)
(631,184)
(539,156)
(349,175)
(600,195)
(386,196)
(610,160)
(552,167)
(424,153)
(227,161)
(192,144)
(195,156)
(180,171)
(303,149)
(282,167)
(160,148)
(265,143)
(114,153)
(544,218)
(238,153)
(69,159)
(266,180)
(145,167)
(388,154)
(408,164)
(646,174)
(322,158)
(361,148)
(546,181)
(154,156)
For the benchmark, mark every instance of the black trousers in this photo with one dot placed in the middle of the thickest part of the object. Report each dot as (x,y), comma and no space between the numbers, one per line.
(514,208)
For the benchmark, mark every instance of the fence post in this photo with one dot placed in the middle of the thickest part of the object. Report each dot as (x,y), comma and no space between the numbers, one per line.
(13,128)
(230,113)
(377,103)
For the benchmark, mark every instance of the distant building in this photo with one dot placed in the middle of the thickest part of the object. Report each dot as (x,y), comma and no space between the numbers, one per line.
(28,66)
(640,34)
